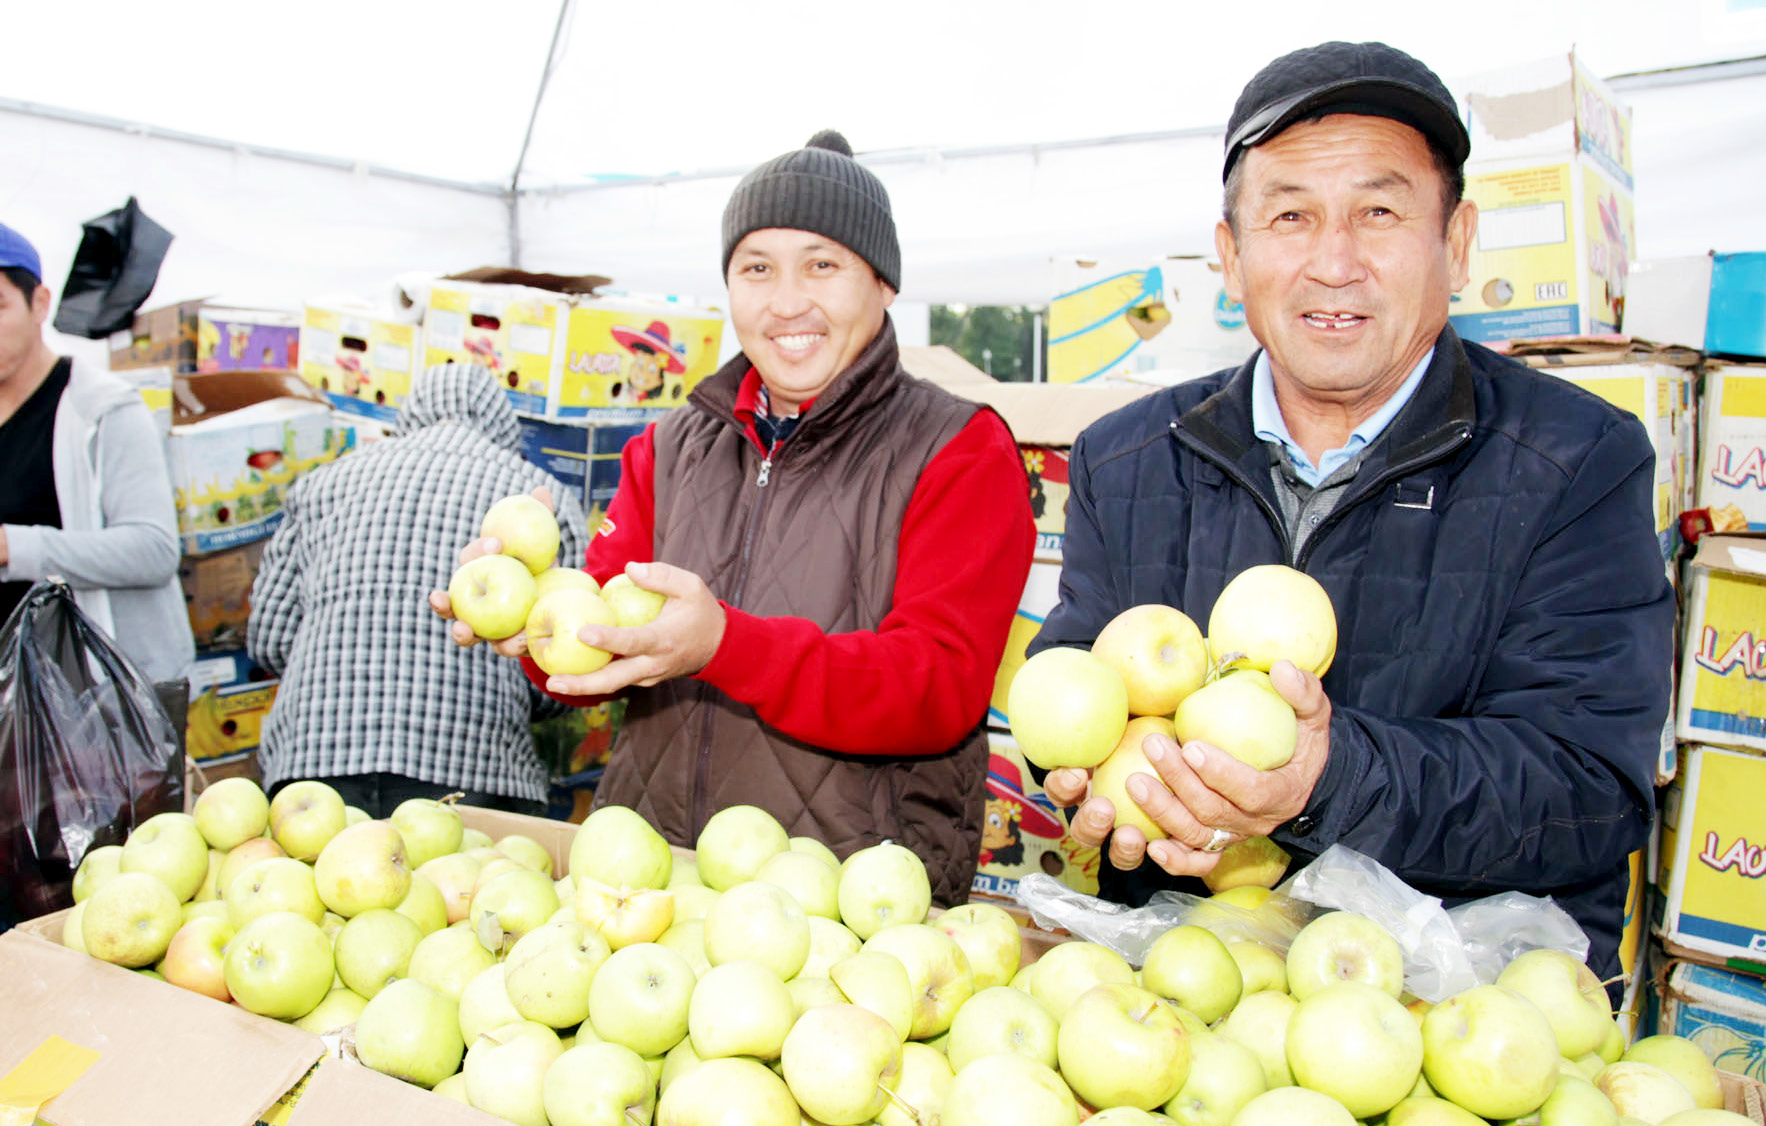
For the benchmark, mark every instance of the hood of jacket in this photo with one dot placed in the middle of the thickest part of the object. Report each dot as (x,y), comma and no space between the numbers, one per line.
(467,394)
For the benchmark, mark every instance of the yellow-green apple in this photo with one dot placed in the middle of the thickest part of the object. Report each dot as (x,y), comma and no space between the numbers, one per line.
(474,838)
(304,816)
(1703,1117)
(1574,1102)
(680,1059)
(632,604)
(639,998)
(493,594)
(812,992)
(208,908)
(1066,708)
(453,1087)
(1224,1076)
(506,1071)
(616,846)
(598,1084)
(430,828)
(809,880)
(1344,946)
(1612,1047)
(1260,1022)
(1126,1116)
(1240,713)
(1159,653)
(280,965)
(1009,1088)
(1110,778)
(526,528)
(989,937)
(196,959)
(552,632)
(1357,1044)
(1685,1061)
(829,942)
(96,868)
(331,922)
(878,982)
(1120,1046)
(169,847)
(340,1007)
(485,1004)
(1427,1110)
(1252,862)
(363,867)
(624,915)
(130,920)
(525,851)
(920,1087)
(692,901)
(1271,613)
(740,1008)
(1189,965)
(1260,967)
(554,578)
(280,883)
(814,848)
(231,812)
(423,905)
(373,949)
(72,931)
(354,815)
(939,977)
(1567,992)
(684,872)
(242,856)
(449,958)
(509,905)
(761,922)
(735,842)
(211,880)
(1070,968)
(1643,1090)
(411,1032)
(454,875)
(1490,1050)
(1293,1106)
(727,1092)
(549,971)
(1002,1019)
(687,938)
(841,1062)
(881,886)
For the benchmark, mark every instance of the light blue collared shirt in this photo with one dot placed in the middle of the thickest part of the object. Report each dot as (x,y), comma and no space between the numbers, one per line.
(1269,425)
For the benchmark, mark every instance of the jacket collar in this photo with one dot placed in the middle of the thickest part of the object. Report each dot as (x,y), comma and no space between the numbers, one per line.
(730,394)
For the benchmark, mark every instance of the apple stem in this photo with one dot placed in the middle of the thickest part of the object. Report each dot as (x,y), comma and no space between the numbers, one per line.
(636,1119)
(450,799)
(907,1108)
(1223,666)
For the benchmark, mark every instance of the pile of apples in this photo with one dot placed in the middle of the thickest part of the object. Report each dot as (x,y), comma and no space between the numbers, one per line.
(762,982)
(520,590)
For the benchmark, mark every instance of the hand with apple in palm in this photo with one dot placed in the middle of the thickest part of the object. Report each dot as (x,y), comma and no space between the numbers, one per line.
(1205,789)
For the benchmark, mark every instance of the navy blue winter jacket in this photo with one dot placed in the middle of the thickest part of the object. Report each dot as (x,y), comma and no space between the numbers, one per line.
(1505,623)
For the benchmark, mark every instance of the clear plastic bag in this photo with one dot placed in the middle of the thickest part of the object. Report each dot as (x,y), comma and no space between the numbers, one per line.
(86,750)
(1445,951)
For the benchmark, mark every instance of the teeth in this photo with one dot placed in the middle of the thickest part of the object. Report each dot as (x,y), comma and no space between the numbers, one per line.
(796,342)
(1333,320)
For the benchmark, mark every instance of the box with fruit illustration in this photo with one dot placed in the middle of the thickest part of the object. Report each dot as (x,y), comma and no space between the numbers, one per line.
(1024,832)
(230,698)
(247,340)
(231,472)
(1722,692)
(1721,1011)
(1732,447)
(626,353)
(1713,856)
(363,362)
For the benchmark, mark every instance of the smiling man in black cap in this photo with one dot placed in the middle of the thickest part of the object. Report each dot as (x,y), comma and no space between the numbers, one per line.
(1492,718)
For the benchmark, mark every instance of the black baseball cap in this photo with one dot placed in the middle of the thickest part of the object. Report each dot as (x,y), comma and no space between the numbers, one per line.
(1363,78)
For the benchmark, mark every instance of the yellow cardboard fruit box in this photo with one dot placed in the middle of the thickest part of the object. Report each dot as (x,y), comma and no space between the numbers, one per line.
(363,361)
(1713,854)
(1722,695)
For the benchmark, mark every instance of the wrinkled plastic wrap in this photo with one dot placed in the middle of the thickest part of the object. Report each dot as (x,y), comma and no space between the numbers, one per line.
(1445,951)
(86,750)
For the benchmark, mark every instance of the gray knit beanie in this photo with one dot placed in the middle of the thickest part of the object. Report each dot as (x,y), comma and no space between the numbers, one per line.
(819,188)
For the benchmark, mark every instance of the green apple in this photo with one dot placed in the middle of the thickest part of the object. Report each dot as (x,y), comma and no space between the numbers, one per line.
(840,1062)
(354,815)
(1002,1019)
(304,816)
(1224,1076)
(740,1008)
(1009,1088)
(920,1087)
(130,920)
(735,842)
(1685,1061)
(680,1059)
(72,929)
(556,578)
(453,1087)
(1704,1117)
(1271,613)
(814,848)
(1159,653)
(509,905)
(829,942)
(526,851)
(1260,967)
(362,868)
(639,998)
(485,1003)
(242,856)
(1118,1045)
(169,847)
(280,883)
(430,828)
(449,958)
(879,982)
(1574,1102)
(939,978)
(1356,1043)
(813,992)
(373,949)
(1241,713)
(1293,1106)
(687,938)
(632,604)
(423,905)
(97,868)
(809,880)
(455,875)
(1427,1110)
(340,1008)
(989,937)
(692,901)
(527,530)
(1070,968)
(1066,708)
(411,1032)
(1255,862)
(617,847)
(506,1071)
(493,594)
(599,1084)
(549,971)
(624,916)
(552,632)
(1128,758)
(1643,1090)
(881,886)
(1491,1051)
(1569,994)
(1260,1022)
(727,1092)
(196,958)
(474,838)
(1344,946)
(231,812)
(210,890)
(760,922)
(280,965)
(1189,965)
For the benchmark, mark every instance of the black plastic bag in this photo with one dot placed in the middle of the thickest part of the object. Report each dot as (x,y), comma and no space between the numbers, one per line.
(86,750)
(113,272)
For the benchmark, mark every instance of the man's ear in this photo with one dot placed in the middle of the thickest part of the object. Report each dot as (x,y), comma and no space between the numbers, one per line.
(888,293)
(41,302)
(1462,228)
(1227,247)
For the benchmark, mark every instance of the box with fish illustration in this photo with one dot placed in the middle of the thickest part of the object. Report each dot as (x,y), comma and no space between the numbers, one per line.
(362,360)
(239,440)
(1023,831)
(247,339)
(1117,320)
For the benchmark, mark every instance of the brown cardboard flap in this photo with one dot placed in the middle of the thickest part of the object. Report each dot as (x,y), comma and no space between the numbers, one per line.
(551,283)
(342,1091)
(1582,350)
(1743,1096)
(205,395)
(1741,554)
(556,836)
(1049,414)
(165,1055)
(943,365)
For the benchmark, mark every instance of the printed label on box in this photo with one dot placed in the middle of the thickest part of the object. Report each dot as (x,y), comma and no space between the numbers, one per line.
(1023,832)
(1047,468)
(1717,890)
(616,357)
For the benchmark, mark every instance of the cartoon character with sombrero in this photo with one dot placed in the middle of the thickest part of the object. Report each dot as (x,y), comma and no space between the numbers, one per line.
(654,355)
(1010,812)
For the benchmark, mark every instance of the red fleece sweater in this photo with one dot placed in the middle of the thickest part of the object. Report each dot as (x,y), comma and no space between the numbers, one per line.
(923,678)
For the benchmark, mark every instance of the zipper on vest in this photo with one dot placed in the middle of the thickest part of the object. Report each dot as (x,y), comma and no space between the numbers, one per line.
(766,471)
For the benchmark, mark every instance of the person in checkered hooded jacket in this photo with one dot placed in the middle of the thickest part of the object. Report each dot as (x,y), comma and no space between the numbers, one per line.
(374,699)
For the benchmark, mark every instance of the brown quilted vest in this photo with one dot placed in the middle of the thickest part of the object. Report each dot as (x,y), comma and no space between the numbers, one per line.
(817,541)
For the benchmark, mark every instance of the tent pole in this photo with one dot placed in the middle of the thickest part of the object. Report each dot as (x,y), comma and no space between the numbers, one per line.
(514,193)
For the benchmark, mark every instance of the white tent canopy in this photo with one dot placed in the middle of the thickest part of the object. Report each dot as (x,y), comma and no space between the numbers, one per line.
(328,147)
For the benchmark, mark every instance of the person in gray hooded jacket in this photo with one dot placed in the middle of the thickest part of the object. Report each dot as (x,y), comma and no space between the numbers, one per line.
(84,492)
(375,701)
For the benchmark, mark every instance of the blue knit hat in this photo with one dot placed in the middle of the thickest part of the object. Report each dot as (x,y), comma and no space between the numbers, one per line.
(16,251)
